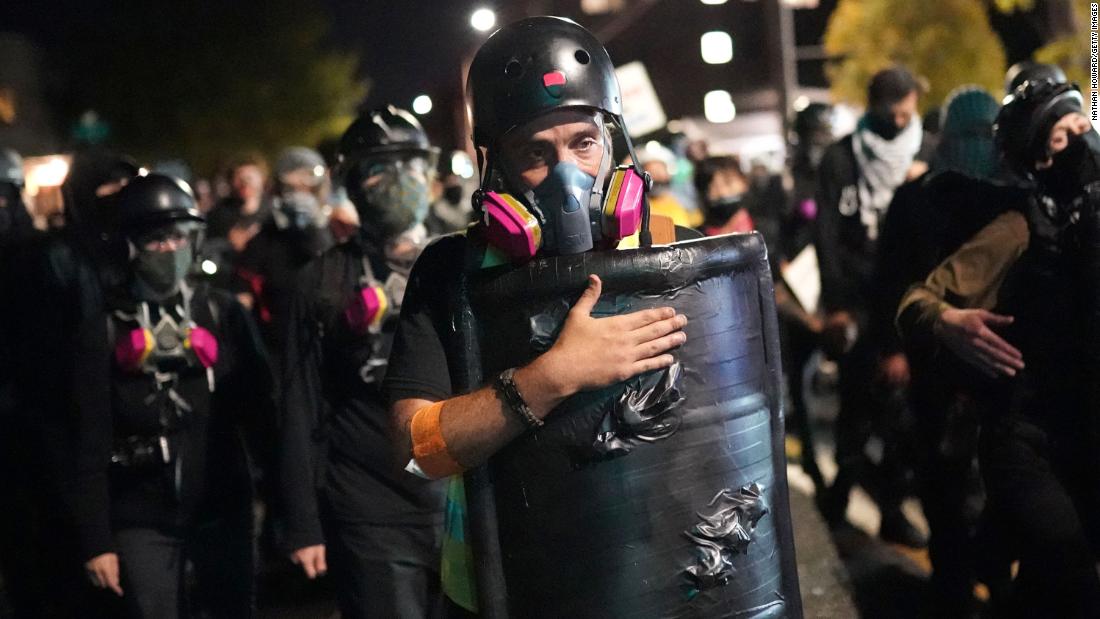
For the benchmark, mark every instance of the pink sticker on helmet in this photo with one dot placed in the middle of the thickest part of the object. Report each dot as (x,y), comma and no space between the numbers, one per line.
(205,346)
(553,78)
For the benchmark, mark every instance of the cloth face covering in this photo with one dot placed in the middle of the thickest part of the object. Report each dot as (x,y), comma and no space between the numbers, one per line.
(157,271)
(1075,166)
(883,165)
(157,274)
(392,195)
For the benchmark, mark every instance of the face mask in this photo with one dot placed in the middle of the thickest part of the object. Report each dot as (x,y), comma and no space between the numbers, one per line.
(519,229)
(157,274)
(721,209)
(561,204)
(1075,166)
(453,194)
(302,210)
(397,199)
(883,127)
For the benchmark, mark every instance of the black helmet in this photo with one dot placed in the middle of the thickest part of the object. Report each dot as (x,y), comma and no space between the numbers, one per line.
(1032,71)
(11,167)
(533,66)
(1027,116)
(815,117)
(147,202)
(384,131)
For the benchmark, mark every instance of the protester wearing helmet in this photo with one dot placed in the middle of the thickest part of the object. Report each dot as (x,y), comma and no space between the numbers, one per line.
(170,375)
(347,509)
(1018,303)
(543,100)
(1027,70)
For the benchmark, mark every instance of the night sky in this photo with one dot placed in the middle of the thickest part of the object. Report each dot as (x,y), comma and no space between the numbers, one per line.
(409,47)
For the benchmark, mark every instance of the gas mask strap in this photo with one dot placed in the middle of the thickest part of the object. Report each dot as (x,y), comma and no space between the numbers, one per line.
(187,293)
(485,170)
(145,319)
(599,191)
(645,238)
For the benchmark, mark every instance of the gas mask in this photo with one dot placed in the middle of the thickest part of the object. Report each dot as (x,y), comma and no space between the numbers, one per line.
(301,210)
(391,196)
(169,345)
(561,204)
(561,214)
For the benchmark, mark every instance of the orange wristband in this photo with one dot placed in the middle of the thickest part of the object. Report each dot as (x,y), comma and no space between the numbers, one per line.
(428,447)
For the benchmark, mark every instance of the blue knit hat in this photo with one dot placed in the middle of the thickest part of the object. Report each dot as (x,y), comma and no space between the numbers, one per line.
(966,133)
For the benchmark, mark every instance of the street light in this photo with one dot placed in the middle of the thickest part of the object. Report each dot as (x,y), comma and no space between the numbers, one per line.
(716,47)
(718,106)
(714,1)
(422,104)
(483,19)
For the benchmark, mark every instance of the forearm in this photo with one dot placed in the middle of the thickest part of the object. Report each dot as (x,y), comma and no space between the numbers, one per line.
(918,312)
(477,425)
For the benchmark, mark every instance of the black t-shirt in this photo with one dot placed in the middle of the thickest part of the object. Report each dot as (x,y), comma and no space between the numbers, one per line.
(335,440)
(268,269)
(419,365)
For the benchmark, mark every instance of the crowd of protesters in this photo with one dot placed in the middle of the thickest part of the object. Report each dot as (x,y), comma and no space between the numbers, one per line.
(188,374)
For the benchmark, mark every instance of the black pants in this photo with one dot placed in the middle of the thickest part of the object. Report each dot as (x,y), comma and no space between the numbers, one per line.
(1044,492)
(799,344)
(868,408)
(384,572)
(153,563)
(950,490)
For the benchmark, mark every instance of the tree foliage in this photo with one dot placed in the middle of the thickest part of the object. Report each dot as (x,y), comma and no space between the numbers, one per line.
(205,80)
(947,42)
(1072,51)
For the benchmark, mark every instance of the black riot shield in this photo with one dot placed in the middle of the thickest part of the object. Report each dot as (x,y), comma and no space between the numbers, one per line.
(663,496)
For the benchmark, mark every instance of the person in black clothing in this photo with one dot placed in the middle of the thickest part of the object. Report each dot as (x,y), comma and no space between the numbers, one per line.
(543,93)
(295,233)
(236,219)
(812,133)
(856,181)
(51,282)
(346,505)
(1018,304)
(929,218)
(169,380)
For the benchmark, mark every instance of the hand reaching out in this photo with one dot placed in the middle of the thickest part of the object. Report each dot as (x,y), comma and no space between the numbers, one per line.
(969,334)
